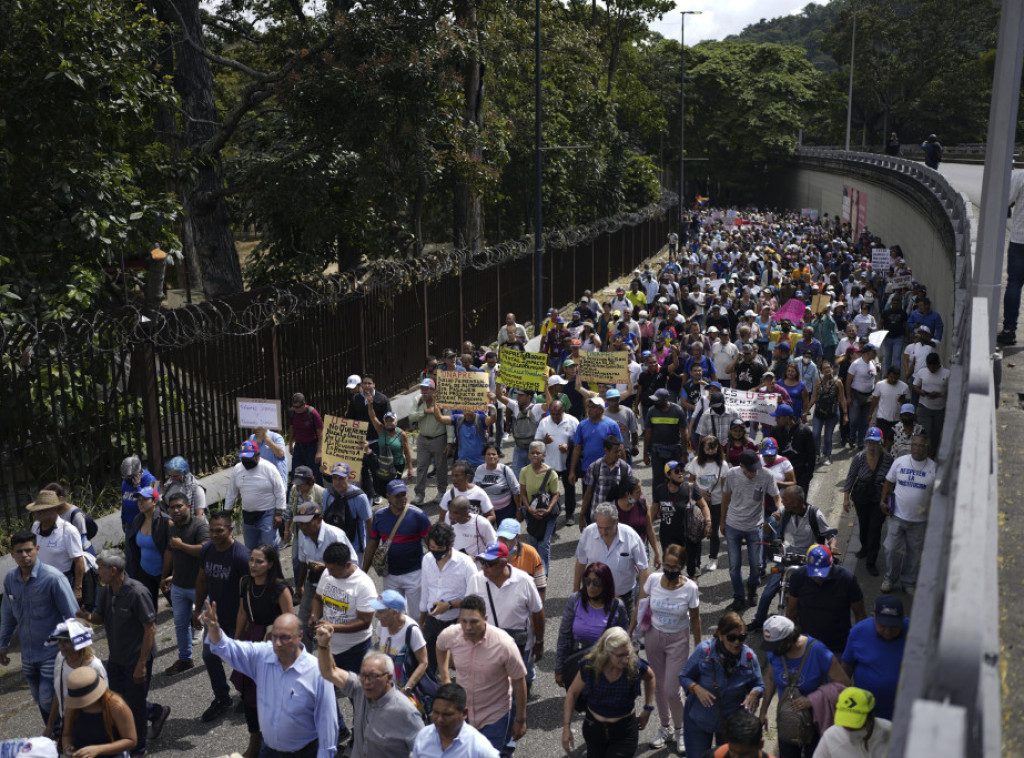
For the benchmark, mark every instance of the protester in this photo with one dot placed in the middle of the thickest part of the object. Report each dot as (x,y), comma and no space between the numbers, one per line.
(858,732)
(74,643)
(99,721)
(262,492)
(450,734)
(874,653)
(185,538)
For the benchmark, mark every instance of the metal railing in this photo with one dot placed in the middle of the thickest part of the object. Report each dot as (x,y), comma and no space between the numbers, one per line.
(949,697)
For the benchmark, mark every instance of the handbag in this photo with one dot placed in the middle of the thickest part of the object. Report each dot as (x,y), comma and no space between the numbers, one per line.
(537,527)
(380,555)
(643,618)
(519,636)
(795,727)
(695,524)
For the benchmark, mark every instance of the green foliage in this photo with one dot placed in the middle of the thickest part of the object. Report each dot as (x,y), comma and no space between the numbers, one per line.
(85,179)
(804,29)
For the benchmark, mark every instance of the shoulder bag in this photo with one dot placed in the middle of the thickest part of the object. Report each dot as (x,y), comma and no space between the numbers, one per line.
(795,727)
(519,636)
(380,555)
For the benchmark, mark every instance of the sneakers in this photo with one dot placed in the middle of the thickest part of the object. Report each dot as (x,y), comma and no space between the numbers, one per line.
(1006,337)
(178,666)
(154,729)
(217,708)
(827,462)
(680,746)
(661,737)
(418,502)
(886,586)
(909,591)
(738,604)
(755,626)
(712,565)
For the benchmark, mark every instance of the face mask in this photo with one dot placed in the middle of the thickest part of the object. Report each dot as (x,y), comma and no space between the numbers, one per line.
(806,360)
(439,554)
(250,463)
(672,575)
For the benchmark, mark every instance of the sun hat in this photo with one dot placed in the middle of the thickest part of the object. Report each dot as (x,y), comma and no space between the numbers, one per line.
(85,687)
(45,500)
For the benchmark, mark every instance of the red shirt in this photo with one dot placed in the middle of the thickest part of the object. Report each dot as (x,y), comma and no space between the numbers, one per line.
(305,427)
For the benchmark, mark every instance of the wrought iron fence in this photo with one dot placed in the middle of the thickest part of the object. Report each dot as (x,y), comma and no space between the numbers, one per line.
(77,396)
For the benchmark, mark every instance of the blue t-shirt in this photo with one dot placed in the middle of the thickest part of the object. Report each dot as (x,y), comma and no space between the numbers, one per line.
(591,437)
(470,431)
(129,503)
(796,394)
(876,663)
(150,559)
(406,553)
(815,672)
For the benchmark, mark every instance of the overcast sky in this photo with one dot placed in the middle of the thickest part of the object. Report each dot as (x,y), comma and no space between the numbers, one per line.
(720,19)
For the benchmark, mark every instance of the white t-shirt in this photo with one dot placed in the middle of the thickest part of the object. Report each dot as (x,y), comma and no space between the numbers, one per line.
(863,375)
(670,609)
(62,546)
(928,381)
(561,434)
(343,599)
(709,478)
(479,503)
(778,468)
(911,491)
(392,644)
(472,537)
(917,355)
(889,399)
(62,670)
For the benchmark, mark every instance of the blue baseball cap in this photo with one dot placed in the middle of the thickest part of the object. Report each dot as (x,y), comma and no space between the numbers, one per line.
(390,600)
(494,551)
(509,529)
(874,434)
(769,446)
(611,394)
(783,410)
(341,469)
(908,408)
(819,561)
(151,493)
(249,449)
(396,487)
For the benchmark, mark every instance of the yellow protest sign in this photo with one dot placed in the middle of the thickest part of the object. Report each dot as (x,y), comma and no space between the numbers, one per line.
(523,371)
(604,368)
(343,442)
(464,390)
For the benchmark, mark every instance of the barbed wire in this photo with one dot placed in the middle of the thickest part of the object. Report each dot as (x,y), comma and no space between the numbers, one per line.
(120,330)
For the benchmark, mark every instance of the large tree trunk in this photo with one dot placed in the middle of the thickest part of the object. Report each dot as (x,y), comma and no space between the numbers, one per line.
(207,236)
(466,210)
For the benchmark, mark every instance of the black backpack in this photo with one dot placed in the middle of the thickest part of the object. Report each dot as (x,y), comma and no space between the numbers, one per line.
(91,527)
(341,516)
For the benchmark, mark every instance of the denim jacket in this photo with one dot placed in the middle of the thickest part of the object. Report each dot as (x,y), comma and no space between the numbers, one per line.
(34,608)
(704,668)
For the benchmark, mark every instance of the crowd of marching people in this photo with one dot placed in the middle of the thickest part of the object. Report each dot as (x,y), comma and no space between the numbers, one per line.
(757,353)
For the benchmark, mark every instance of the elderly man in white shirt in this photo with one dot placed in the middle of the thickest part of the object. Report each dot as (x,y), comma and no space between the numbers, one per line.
(259,484)
(313,539)
(556,431)
(616,545)
(445,578)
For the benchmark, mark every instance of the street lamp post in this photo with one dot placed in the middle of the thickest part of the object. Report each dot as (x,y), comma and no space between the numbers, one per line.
(849,97)
(538,227)
(682,108)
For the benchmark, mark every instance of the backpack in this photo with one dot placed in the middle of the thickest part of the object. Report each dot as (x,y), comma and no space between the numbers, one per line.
(91,527)
(524,427)
(694,525)
(340,515)
(795,727)
(812,514)
(386,457)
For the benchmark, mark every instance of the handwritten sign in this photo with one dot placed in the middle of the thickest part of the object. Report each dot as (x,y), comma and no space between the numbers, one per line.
(900,282)
(604,368)
(880,259)
(793,311)
(343,442)
(464,390)
(752,406)
(811,213)
(254,413)
(820,302)
(523,371)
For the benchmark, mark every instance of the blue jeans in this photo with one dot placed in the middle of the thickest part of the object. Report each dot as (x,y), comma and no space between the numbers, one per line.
(859,415)
(1014,283)
(824,428)
(182,603)
(735,539)
(904,543)
(520,459)
(771,589)
(544,546)
(695,739)
(262,531)
(499,734)
(39,675)
(892,354)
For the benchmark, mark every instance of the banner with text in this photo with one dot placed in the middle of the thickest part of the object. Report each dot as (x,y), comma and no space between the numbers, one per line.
(752,406)
(604,368)
(254,413)
(523,371)
(464,390)
(343,441)
(900,282)
(880,259)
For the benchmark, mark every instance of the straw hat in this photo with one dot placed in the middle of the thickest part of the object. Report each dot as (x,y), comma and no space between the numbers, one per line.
(44,500)
(85,687)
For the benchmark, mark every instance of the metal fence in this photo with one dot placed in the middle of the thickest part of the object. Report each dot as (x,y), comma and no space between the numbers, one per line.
(77,396)
(949,696)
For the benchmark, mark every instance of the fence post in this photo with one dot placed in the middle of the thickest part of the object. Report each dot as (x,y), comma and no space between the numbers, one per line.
(362,341)
(144,357)
(462,317)
(497,273)
(271,362)
(426,320)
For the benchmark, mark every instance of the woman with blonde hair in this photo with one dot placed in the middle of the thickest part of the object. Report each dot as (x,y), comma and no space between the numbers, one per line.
(610,680)
(99,721)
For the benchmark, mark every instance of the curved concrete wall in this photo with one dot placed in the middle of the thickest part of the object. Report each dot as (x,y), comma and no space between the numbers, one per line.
(901,210)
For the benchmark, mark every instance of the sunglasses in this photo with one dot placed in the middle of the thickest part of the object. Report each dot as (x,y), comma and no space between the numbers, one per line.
(593,582)
(736,637)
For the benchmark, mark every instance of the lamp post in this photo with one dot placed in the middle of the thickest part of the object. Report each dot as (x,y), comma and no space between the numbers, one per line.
(538,227)
(849,96)
(682,108)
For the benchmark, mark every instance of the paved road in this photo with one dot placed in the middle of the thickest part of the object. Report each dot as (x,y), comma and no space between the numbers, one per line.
(189,694)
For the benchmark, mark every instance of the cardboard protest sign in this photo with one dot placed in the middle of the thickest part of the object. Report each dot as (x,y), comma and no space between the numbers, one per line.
(523,371)
(793,311)
(462,390)
(900,282)
(880,259)
(343,441)
(604,368)
(819,303)
(255,412)
(752,406)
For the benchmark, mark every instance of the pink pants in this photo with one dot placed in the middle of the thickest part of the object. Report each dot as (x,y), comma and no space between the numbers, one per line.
(667,654)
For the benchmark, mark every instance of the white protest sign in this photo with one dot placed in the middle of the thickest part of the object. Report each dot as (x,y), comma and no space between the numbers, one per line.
(880,259)
(255,412)
(876,338)
(752,406)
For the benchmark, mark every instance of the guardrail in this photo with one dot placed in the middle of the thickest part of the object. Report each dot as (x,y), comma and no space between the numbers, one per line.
(949,696)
